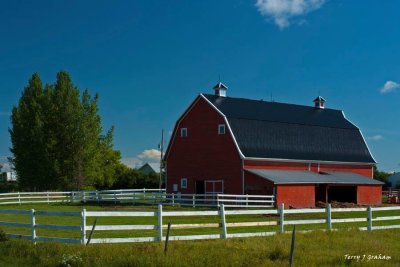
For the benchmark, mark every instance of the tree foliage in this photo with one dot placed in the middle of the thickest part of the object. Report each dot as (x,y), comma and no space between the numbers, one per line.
(57,139)
(381,175)
(131,178)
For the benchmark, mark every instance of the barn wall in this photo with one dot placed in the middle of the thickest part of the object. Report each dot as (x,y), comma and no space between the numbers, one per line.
(297,196)
(203,154)
(255,185)
(369,194)
(365,170)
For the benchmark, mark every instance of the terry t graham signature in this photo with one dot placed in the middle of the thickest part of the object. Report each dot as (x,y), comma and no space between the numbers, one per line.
(367,257)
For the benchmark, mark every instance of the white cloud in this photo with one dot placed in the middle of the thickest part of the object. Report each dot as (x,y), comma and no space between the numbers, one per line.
(132,162)
(377,137)
(282,11)
(147,156)
(389,86)
(151,154)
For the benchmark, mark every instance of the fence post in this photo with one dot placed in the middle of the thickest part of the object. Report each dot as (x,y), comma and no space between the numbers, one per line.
(194,201)
(160,223)
(369,218)
(19,198)
(48,200)
(144,194)
(83,197)
(33,224)
(329,216)
(218,200)
(83,227)
(97,197)
(247,199)
(281,218)
(173,199)
(133,198)
(223,221)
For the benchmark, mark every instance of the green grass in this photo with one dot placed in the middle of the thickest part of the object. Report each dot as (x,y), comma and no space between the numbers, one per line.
(312,249)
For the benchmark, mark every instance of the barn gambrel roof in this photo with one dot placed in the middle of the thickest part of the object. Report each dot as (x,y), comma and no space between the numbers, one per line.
(272,130)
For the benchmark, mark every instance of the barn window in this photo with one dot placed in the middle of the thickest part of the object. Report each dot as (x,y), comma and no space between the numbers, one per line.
(183,132)
(175,187)
(184,183)
(221,129)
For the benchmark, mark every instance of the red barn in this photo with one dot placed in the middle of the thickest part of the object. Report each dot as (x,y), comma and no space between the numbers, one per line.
(301,154)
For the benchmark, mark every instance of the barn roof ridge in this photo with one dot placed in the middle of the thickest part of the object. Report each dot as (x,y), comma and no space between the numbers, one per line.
(270,102)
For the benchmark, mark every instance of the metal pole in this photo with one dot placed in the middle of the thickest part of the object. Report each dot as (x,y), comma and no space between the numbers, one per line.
(91,232)
(292,246)
(167,238)
(161,158)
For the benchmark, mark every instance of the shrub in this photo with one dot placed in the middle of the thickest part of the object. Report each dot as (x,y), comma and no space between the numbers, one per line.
(3,237)
(71,260)
(278,253)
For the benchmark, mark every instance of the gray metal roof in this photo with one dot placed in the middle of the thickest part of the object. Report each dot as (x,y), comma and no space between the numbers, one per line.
(307,177)
(265,129)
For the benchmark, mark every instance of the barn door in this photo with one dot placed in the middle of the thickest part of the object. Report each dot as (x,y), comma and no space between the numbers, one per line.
(214,186)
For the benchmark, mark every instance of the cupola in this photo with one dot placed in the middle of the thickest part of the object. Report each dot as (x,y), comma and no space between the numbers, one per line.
(220,89)
(319,102)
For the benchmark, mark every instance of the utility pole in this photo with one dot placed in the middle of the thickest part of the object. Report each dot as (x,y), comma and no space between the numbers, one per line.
(161,159)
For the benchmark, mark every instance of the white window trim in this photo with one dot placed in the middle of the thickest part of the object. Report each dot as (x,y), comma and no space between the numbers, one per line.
(186,183)
(183,129)
(221,126)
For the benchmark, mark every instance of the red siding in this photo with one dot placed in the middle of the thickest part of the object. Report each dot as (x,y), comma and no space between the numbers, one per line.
(203,154)
(297,196)
(369,194)
(365,170)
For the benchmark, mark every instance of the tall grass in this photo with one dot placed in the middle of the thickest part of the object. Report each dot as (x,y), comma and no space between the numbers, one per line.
(312,249)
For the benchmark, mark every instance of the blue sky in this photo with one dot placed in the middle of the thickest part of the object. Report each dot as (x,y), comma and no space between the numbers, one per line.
(149,59)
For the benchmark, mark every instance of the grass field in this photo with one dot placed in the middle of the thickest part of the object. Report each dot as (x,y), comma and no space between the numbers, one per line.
(312,249)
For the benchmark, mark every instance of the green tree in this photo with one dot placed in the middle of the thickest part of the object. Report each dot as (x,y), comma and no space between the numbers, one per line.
(27,137)
(57,132)
(132,178)
(381,175)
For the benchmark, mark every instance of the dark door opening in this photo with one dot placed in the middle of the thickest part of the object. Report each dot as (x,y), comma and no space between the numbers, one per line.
(200,187)
(342,194)
(320,193)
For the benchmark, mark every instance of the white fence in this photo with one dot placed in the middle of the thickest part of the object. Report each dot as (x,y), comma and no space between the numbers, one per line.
(33,226)
(140,196)
(223,224)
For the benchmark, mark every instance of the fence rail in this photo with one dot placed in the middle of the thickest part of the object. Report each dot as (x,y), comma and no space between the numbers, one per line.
(224,226)
(140,196)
